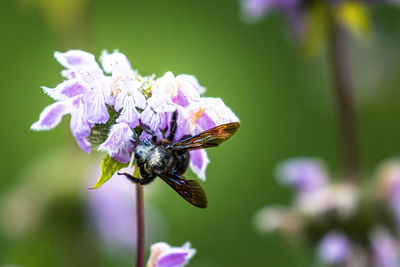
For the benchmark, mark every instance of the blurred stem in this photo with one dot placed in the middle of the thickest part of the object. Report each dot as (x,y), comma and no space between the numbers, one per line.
(340,62)
(139,224)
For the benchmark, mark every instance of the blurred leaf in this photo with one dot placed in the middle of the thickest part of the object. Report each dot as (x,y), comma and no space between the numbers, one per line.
(354,17)
(108,167)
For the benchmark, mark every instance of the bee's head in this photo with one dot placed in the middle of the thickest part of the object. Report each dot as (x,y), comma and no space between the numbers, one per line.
(142,149)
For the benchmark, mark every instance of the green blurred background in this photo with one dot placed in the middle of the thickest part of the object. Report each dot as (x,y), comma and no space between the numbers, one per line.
(283,98)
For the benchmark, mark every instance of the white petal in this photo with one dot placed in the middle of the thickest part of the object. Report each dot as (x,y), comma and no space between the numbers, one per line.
(191,79)
(218,111)
(166,85)
(115,62)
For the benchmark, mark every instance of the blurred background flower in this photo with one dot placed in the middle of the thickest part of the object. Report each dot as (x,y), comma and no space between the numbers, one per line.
(348,225)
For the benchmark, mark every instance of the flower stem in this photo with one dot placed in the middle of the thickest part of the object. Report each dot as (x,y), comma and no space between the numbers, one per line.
(139,226)
(345,102)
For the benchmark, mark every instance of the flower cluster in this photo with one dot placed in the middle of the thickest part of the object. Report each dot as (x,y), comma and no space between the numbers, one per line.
(108,105)
(349,225)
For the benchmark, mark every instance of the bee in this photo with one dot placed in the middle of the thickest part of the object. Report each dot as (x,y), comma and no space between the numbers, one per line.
(169,160)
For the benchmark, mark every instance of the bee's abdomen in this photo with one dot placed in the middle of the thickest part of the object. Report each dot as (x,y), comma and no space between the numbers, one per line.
(182,162)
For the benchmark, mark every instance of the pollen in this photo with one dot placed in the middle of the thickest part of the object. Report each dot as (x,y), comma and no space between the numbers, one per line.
(195,116)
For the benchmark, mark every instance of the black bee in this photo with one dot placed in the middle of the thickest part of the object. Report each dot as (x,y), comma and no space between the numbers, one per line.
(169,160)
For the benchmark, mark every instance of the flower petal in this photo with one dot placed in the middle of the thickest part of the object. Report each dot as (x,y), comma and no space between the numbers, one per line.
(163,255)
(51,116)
(150,119)
(217,111)
(75,59)
(191,79)
(198,162)
(129,113)
(140,99)
(84,144)
(65,90)
(386,250)
(306,174)
(334,248)
(95,107)
(166,85)
(118,144)
(80,127)
(115,62)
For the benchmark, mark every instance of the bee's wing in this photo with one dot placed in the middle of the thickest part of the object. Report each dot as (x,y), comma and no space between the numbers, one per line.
(190,190)
(210,138)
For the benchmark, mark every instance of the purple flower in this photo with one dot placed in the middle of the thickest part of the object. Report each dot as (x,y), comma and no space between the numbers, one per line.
(386,250)
(105,109)
(305,174)
(82,96)
(163,255)
(334,248)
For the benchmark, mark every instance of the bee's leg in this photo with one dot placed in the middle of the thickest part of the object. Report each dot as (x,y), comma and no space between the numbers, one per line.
(135,180)
(149,131)
(174,125)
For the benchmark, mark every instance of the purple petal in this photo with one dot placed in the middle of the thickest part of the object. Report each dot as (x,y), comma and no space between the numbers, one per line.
(51,116)
(80,127)
(334,248)
(149,118)
(129,113)
(180,99)
(84,144)
(205,122)
(386,250)
(65,90)
(123,155)
(306,174)
(173,259)
(95,107)
(198,162)
(118,143)
(75,59)
(163,255)
(119,101)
